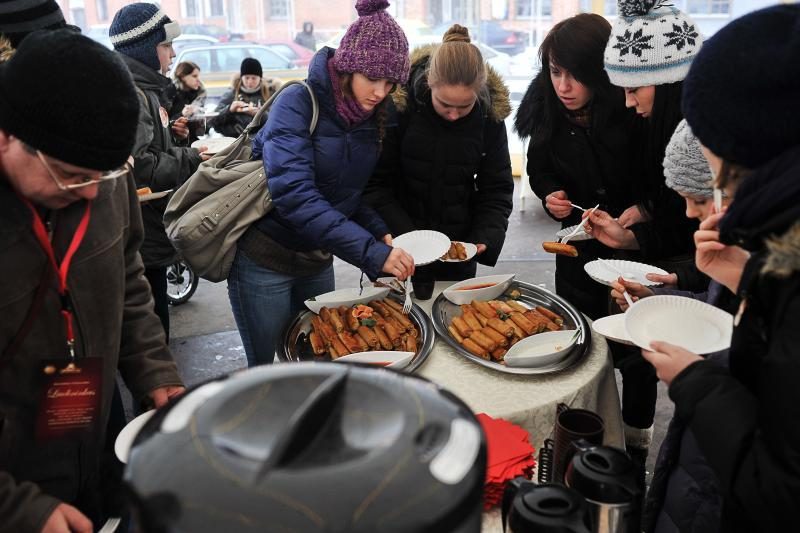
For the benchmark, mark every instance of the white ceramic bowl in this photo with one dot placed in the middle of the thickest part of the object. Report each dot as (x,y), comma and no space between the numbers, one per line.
(541,349)
(459,294)
(346,297)
(394,359)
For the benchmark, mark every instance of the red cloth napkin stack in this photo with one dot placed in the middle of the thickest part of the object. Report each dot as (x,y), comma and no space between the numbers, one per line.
(510,454)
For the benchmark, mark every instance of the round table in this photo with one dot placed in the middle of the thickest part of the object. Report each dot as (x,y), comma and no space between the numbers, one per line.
(528,401)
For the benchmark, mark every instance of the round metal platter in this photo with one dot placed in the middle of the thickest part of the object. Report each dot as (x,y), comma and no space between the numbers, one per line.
(444,311)
(296,347)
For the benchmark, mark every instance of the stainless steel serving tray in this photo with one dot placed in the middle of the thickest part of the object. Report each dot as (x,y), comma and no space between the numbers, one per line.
(296,347)
(443,312)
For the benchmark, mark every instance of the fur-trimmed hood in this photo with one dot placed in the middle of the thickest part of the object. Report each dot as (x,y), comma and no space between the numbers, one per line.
(783,259)
(6,50)
(496,99)
(530,108)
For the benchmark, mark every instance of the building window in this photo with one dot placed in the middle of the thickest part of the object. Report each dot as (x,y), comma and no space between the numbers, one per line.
(190,8)
(277,9)
(708,7)
(216,8)
(525,9)
(102,10)
(610,9)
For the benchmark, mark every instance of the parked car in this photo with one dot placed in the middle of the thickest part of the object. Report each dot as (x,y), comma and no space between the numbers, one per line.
(493,34)
(192,40)
(218,32)
(300,55)
(219,63)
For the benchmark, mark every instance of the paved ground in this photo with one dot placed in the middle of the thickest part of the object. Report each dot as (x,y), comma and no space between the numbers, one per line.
(205,341)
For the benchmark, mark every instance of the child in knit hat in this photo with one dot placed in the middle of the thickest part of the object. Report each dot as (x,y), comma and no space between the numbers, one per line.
(316,176)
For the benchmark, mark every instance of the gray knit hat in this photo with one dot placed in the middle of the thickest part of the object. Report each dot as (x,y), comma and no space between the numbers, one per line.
(650,44)
(685,168)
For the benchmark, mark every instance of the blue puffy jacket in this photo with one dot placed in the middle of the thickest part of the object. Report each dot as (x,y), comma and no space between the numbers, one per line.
(316,180)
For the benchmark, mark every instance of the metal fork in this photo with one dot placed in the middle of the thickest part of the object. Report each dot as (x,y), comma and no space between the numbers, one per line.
(407,303)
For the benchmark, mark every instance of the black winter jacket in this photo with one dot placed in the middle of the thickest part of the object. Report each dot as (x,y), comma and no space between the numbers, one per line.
(453,177)
(232,124)
(593,166)
(745,418)
(158,164)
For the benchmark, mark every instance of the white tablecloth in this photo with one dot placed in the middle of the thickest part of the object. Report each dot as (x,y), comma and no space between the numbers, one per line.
(528,401)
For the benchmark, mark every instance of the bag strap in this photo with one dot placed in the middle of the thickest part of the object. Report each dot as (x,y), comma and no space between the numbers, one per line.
(255,124)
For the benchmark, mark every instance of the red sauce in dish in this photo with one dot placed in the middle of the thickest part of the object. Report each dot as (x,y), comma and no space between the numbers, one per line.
(473,287)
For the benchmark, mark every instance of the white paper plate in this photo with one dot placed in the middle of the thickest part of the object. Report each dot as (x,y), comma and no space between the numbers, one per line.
(214,144)
(457,294)
(346,297)
(153,196)
(631,271)
(395,359)
(580,236)
(613,328)
(470,248)
(541,349)
(691,324)
(122,446)
(425,246)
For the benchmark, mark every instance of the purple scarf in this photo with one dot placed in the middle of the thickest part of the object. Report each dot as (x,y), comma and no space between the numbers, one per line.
(347,107)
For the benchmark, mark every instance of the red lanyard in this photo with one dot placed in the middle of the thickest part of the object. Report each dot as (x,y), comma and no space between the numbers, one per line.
(63,269)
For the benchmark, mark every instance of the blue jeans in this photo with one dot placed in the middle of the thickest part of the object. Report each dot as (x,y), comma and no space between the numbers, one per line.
(265,301)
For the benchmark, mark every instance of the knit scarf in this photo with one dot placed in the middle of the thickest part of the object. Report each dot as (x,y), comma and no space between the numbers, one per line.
(581,117)
(347,107)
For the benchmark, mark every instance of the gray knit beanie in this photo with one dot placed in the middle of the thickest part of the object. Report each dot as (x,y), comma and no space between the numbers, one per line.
(685,168)
(651,43)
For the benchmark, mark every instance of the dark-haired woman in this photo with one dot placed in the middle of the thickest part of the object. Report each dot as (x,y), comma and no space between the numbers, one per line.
(316,180)
(649,57)
(579,151)
(188,95)
(446,166)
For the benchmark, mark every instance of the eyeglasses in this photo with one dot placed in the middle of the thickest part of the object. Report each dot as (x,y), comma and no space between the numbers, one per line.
(85,180)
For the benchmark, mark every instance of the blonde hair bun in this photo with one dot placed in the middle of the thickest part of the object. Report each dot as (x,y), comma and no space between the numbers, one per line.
(456,34)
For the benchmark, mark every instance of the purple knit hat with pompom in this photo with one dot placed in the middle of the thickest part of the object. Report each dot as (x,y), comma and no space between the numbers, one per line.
(374,45)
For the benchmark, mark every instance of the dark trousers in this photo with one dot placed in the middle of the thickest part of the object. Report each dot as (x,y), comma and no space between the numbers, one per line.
(639,382)
(158,285)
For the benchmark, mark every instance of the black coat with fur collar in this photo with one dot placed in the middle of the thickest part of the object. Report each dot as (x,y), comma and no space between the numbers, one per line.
(592,165)
(745,418)
(453,177)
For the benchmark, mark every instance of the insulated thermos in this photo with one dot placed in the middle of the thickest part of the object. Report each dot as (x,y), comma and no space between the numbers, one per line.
(606,478)
(548,508)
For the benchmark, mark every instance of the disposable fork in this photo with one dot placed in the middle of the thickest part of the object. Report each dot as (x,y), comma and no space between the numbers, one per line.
(407,302)
(620,273)
(577,207)
(578,228)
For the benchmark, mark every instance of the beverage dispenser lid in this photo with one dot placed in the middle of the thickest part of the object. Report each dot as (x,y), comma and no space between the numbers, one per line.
(604,474)
(550,507)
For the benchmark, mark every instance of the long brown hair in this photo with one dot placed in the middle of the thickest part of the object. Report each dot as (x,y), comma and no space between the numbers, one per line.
(183,69)
(457,62)
(381,113)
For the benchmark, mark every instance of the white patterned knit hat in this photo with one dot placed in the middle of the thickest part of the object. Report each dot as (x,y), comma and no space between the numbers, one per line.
(650,44)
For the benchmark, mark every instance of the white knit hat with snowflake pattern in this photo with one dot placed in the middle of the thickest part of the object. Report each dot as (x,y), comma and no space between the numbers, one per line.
(650,44)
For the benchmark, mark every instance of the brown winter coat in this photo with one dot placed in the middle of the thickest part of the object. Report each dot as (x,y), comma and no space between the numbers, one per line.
(114,320)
